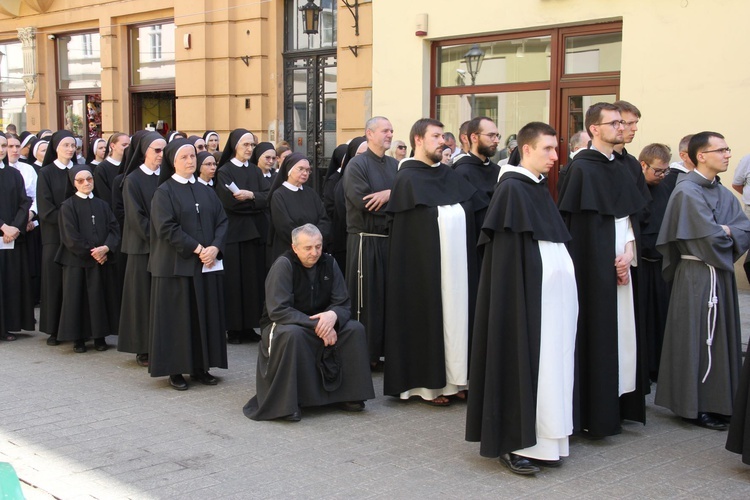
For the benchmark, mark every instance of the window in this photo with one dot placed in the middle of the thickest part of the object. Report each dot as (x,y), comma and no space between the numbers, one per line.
(12,90)
(296,39)
(152,54)
(78,61)
(548,75)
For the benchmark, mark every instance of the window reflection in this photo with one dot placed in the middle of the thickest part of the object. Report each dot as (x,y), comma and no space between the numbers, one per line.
(326,36)
(153,54)
(79,61)
(505,61)
(593,53)
(510,110)
(11,67)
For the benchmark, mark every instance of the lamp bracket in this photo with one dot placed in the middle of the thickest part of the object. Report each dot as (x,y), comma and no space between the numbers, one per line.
(354,49)
(354,13)
(246,60)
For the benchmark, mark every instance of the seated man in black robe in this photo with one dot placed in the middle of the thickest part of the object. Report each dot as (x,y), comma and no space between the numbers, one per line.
(311,353)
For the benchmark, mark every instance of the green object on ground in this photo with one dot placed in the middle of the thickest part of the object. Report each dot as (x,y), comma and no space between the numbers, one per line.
(10,486)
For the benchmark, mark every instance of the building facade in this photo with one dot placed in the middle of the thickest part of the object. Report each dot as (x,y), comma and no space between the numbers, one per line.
(99,66)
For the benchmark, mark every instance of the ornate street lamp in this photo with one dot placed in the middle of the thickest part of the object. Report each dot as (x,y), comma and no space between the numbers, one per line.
(474,58)
(310,17)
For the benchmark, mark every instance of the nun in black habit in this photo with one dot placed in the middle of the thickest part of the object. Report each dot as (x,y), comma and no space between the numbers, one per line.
(245,254)
(206,169)
(293,205)
(333,198)
(16,306)
(188,230)
(53,187)
(264,156)
(89,239)
(141,178)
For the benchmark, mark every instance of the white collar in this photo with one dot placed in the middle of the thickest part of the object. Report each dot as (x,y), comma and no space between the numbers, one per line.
(113,161)
(610,158)
(209,183)
(574,153)
(85,196)
(267,174)
(37,163)
(63,166)
(95,162)
(238,163)
(14,165)
(182,180)
(519,170)
(148,171)
(291,187)
(709,180)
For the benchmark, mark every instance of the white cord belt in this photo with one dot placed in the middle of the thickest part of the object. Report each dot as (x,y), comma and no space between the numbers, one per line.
(713,300)
(360,274)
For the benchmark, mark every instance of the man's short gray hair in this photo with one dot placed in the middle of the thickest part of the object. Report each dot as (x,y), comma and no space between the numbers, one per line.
(308,229)
(372,123)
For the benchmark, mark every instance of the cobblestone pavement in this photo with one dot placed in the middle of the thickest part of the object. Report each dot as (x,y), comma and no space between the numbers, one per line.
(95,425)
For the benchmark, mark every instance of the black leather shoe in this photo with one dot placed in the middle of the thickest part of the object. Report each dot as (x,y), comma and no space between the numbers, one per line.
(233,337)
(178,382)
(142,359)
(518,464)
(79,346)
(351,405)
(294,417)
(52,340)
(100,345)
(545,463)
(204,378)
(708,421)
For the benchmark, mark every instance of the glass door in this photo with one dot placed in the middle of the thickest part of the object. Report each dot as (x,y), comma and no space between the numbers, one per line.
(574,103)
(81,115)
(310,105)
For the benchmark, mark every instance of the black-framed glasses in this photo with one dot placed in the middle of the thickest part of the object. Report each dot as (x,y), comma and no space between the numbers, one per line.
(615,124)
(200,147)
(659,172)
(156,150)
(720,150)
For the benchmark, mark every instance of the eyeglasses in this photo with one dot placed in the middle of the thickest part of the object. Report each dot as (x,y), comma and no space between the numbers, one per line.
(400,147)
(492,136)
(615,124)
(304,170)
(723,151)
(84,180)
(200,148)
(247,145)
(157,150)
(659,172)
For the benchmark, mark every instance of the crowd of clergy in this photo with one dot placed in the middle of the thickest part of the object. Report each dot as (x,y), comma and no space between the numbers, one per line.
(451,264)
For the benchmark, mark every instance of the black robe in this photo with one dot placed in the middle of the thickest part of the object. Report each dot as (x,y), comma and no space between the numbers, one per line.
(483,176)
(186,317)
(292,209)
(333,201)
(595,192)
(91,298)
(504,364)
(16,304)
(653,300)
(53,187)
(104,180)
(137,192)
(288,378)
(366,174)
(245,253)
(414,343)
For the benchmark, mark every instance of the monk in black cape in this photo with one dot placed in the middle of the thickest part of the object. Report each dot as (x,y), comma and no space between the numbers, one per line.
(522,359)
(599,202)
(53,187)
(430,295)
(188,230)
(89,241)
